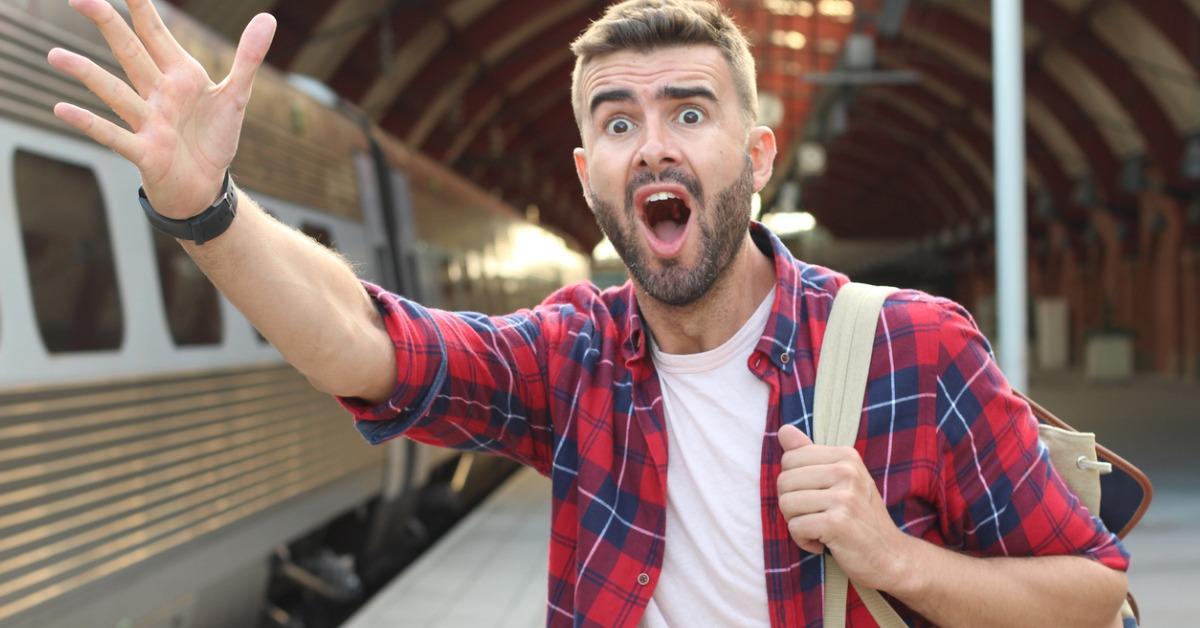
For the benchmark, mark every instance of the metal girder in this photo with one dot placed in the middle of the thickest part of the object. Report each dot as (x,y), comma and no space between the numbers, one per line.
(467,58)
(1102,161)
(341,28)
(843,213)
(890,138)
(297,22)
(365,62)
(888,151)
(1178,25)
(833,195)
(1074,33)
(1040,157)
(970,180)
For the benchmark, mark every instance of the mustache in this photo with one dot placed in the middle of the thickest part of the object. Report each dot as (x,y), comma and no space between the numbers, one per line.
(675,175)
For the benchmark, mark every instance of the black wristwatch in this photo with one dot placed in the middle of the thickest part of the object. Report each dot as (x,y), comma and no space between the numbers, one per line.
(202,227)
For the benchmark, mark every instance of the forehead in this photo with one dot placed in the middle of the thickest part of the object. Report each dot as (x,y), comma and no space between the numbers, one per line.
(646,71)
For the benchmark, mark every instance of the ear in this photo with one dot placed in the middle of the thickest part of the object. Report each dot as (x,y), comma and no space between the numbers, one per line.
(582,172)
(760,145)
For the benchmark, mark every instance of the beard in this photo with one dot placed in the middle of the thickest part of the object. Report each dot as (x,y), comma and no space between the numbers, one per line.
(720,233)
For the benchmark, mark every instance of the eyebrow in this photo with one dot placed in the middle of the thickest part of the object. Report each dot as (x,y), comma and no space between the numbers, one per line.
(684,93)
(612,95)
(666,93)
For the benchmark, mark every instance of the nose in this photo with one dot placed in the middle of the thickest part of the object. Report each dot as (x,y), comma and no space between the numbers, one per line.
(658,150)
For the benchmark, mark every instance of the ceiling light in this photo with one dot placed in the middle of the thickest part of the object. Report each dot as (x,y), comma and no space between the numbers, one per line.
(785,224)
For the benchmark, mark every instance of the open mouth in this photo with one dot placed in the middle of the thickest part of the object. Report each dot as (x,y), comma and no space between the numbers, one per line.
(666,216)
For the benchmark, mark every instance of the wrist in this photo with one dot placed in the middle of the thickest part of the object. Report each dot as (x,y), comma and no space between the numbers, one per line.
(910,567)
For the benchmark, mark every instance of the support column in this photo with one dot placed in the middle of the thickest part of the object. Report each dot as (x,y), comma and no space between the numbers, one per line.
(1008,97)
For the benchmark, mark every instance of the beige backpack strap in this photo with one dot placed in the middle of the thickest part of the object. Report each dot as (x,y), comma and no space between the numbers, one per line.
(837,409)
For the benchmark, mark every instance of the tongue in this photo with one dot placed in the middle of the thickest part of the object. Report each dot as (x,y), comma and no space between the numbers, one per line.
(668,230)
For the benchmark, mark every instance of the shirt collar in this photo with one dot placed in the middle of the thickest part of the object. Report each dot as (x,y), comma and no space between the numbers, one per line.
(778,341)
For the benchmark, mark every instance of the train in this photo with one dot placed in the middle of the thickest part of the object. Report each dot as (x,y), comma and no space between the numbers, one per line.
(160,464)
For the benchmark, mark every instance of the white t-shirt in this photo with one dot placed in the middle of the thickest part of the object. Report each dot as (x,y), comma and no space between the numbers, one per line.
(716,411)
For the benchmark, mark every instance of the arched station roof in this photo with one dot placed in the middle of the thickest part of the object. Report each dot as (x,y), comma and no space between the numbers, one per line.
(482,85)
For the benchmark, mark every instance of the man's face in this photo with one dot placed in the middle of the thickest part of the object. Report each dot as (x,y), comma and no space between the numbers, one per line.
(669,165)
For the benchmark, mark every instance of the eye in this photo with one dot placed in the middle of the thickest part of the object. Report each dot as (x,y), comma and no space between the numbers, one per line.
(618,126)
(690,116)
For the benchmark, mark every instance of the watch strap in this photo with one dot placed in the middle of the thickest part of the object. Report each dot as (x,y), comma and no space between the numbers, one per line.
(202,227)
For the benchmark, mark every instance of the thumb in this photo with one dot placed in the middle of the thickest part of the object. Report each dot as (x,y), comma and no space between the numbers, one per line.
(251,51)
(790,437)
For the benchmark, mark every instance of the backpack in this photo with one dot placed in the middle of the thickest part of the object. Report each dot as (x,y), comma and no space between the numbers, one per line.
(1090,470)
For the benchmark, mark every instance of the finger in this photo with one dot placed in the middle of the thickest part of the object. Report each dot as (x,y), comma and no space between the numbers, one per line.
(816,454)
(251,50)
(125,144)
(809,478)
(790,437)
(798,503)
(113,91)
(160,43)
(800,529)
(126,47)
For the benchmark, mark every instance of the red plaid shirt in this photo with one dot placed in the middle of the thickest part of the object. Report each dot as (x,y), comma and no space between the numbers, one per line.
(570,389)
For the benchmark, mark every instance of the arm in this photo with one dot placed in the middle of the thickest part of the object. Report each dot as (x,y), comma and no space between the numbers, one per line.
(831,502)
(952,589)
(182,136)
(1023,545)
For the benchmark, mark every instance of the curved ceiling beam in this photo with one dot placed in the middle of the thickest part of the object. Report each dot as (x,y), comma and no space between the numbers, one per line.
(1074,33)
(468,56)
(405,30)
(1168,75)
(1178,25)
(228,17)
(836,197)
(342,27)
(1101,157)
(891,148)
(906,151)
(977,95)
(296,23)
(389,90)
(956,170)
(837,208)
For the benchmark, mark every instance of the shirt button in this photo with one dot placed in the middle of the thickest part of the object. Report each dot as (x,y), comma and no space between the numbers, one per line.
(784,358)
(643,578)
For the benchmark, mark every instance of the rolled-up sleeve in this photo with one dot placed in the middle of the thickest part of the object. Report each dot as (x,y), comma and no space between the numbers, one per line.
(1001,494)
(465,380)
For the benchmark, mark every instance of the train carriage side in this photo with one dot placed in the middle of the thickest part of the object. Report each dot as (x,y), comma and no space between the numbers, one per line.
(153,449)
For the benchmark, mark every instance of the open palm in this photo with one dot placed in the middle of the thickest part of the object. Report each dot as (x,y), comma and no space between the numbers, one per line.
(183,128)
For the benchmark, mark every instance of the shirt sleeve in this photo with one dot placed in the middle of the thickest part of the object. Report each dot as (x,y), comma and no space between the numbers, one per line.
(1001,494)
(465,380)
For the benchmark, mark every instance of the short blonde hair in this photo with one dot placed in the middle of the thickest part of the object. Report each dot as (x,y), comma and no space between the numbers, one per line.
(644,25)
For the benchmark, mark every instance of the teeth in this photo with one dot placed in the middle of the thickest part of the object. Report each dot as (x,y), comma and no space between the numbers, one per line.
(660,196)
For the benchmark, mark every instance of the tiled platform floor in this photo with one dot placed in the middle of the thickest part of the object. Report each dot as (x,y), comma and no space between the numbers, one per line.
(490,570)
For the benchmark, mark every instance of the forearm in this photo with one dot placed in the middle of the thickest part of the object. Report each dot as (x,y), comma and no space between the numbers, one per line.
(304,298)
(952,589)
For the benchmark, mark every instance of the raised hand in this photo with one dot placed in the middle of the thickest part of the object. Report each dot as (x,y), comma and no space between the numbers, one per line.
(183,128)
(830,501)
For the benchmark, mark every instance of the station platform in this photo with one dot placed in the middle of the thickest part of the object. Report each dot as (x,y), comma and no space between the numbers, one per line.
(490,570)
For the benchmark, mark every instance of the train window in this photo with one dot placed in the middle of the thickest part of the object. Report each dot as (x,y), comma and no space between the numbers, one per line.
(69,254)
(318,233)
(189,299)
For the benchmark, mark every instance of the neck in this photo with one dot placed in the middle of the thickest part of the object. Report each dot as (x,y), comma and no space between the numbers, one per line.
(720,313)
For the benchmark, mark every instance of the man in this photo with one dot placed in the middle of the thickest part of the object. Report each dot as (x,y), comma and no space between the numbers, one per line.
(708,354)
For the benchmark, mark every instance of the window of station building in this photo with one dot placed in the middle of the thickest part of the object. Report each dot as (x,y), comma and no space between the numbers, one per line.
(189,299)
(69,254)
